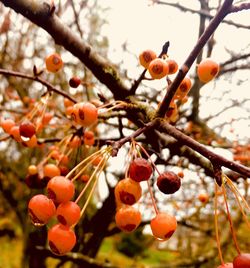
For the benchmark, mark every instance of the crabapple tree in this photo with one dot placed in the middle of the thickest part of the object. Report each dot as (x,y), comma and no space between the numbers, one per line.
(68,114)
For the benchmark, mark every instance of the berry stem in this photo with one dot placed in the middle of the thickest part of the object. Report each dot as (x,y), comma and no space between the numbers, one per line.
(237,191)
(230,220)
(240,206)
(89,158)
(152,198)
(216,223)
(102,164)
(149,158)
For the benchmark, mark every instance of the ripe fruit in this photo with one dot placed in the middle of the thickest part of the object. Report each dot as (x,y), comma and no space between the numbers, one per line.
(168,182)
(127,218)
(127,191)
(146,57)
(242,261)
(140,169)
(89,138)
(203,197)
(15,133)
(51,170)
(31,143)
(207,70)
(32,170)
(183,88)
(158,68)
(74,81)
(41,209)
(27,129)
(61,239)
(53,62)
(84,177)
(163,225)
(68,213)
(60,189)
(7,124)
(84,114)
(172,66)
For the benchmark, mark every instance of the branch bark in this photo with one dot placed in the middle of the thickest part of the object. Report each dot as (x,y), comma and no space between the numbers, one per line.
(40,13)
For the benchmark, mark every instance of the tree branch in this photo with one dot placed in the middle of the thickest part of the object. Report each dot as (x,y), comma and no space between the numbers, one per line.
(39,13)
(214,23)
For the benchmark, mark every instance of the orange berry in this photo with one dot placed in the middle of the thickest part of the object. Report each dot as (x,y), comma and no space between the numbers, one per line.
(32,170)
(61,239)
(146,57)
(158,68)
(172,66)
(63,159)
(51,170)
(97,160)
(7,124)
(207,70)
(84,114)
(89,138)
(127,218)
(41,209)
(127,191)
(15,133)
(68,213)
(67,102)
(163,225)
(203,197)
(183,88)
(31,143)
(53,62)
(84,177)
(60,189)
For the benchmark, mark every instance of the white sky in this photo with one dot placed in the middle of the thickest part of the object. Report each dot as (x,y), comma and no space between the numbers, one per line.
(144,26)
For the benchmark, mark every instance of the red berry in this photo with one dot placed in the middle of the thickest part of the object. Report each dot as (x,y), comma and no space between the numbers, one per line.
(60,189)
(61,239)
(168,182)
(41,209)
(127,191)
(27,129)
(74,81)
(163,225)
(140,169)
(242,261)
(127,218)
(68,213)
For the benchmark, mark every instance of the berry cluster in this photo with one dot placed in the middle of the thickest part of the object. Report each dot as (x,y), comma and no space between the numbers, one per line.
(128,192)
(161,67)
